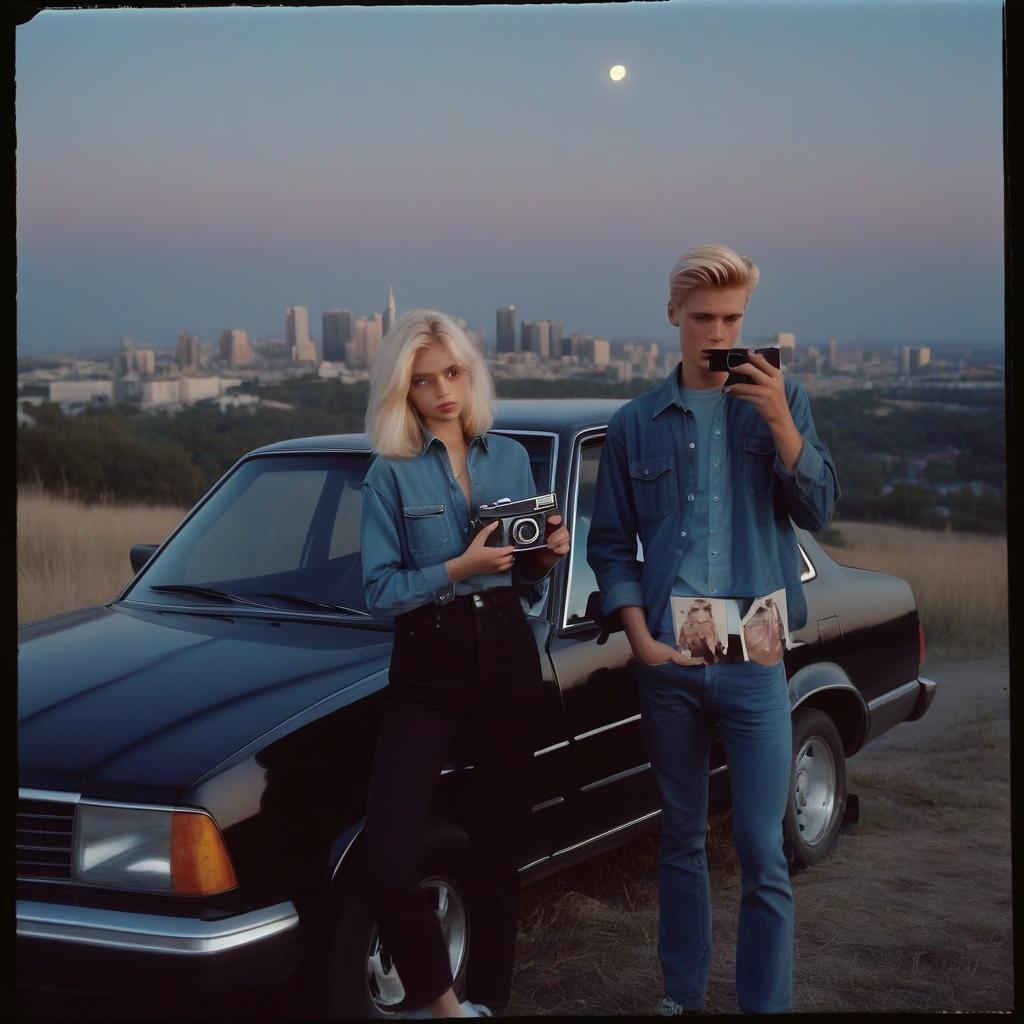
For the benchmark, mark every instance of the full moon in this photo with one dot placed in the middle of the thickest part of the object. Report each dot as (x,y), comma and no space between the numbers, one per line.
(617,73)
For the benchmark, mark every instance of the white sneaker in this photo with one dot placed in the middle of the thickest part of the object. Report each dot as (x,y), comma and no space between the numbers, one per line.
(474,1009)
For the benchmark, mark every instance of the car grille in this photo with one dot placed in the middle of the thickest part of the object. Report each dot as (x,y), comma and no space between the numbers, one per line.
(44,840)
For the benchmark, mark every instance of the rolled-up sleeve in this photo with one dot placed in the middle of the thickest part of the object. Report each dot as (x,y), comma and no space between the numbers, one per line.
(611,543)
(391,589)
(812,487)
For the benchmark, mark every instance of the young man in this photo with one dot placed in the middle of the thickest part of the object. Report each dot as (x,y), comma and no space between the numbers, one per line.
(708,478)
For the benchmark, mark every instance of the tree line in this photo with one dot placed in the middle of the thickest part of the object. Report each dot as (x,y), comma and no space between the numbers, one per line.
(120,453)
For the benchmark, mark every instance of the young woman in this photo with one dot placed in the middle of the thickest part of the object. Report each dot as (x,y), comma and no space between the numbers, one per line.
(463,649)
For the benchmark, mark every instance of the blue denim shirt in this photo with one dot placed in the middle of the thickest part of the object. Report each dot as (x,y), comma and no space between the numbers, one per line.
(645,486)
(414,519)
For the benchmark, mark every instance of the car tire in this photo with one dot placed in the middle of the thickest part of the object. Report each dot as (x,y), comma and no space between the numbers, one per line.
(356,977)
(817,802)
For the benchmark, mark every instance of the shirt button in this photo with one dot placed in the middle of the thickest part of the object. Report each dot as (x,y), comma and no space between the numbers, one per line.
(692,445)
(683,534)
(714,590)
(678,552)
(714,462)
(689,497)
(714,553)
(714,531)
(718,433)
(714,497)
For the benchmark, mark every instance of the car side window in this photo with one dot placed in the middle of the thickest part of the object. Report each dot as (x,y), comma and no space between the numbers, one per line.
(582,582)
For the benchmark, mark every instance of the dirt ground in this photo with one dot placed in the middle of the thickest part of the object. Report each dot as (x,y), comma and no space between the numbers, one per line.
(912,911)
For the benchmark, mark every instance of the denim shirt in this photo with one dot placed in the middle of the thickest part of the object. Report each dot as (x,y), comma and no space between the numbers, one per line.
(645,486)
(414,519)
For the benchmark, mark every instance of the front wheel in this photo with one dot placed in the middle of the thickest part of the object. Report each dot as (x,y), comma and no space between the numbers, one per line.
(818,789)
(357,976)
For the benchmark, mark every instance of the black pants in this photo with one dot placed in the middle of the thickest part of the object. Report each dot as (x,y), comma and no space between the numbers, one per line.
(473,663)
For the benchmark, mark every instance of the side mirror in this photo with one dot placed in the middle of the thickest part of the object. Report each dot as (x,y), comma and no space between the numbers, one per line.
(141,554)
(608,623)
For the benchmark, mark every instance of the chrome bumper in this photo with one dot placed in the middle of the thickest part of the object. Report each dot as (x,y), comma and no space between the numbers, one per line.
(925,696)
(150,933)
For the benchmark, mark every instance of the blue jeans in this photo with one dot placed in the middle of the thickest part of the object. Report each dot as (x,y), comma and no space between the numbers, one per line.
(751,702)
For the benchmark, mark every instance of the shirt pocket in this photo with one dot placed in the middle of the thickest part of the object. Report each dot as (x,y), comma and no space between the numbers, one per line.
(426,528)
(758,466)
(655,492)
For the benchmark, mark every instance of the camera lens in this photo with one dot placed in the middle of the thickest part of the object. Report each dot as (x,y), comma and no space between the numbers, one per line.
(735,359)
(525,531)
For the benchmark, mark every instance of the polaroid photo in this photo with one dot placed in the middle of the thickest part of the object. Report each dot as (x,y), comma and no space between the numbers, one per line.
(764,630)
(700,627)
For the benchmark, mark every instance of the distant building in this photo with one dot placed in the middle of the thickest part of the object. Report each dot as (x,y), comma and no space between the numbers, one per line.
(235,349)
(367,334)
(787,343)
(833,354)
(186,354)
(389,312)
(602,351)
(337,333)
(144,361)
(581,346)
(529,336)
(296,333)
(505,340)
(920,358)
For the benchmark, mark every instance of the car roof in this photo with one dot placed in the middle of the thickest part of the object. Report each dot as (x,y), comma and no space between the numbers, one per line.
(552,415)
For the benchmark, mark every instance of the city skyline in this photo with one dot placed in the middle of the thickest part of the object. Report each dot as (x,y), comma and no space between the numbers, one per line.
(239,175)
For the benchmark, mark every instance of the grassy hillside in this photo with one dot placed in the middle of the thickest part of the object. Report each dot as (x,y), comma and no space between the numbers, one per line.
(71,555)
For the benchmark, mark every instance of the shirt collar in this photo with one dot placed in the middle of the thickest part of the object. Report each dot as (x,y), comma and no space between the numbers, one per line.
(429,438)
(669,393)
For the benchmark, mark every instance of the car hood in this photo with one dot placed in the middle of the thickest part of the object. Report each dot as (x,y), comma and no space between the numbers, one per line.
(134,704)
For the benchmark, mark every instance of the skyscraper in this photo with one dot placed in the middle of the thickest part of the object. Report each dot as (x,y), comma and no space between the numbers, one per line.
(186,354)
(529,336)
(505,340)
(787,343)
(389,312)
(235,349)
(296,332)
(337,333)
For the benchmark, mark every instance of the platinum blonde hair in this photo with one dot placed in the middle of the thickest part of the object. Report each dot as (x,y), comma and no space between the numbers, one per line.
(392,424)
(710,266)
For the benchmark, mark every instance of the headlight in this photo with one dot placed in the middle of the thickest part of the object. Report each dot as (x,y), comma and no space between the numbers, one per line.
(177,852)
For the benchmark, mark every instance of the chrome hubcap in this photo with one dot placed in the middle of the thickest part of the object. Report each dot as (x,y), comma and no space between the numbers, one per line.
(814,789)
(386,988)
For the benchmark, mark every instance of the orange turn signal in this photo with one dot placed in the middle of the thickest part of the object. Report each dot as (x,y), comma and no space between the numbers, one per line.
(200,865)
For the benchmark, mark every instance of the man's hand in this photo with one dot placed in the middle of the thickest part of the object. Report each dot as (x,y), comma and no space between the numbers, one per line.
(657,653)
(767,393)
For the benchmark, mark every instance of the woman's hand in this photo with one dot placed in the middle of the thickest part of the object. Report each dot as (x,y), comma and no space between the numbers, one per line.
(557,544)
(477,558)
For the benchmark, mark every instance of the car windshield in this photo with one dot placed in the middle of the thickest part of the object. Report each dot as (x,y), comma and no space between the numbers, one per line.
(282,531)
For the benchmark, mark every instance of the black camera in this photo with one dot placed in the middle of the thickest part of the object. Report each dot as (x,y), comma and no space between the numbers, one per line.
(720,359)
(523,523)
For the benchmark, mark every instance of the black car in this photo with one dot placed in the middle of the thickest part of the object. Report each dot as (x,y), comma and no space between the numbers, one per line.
(194,756)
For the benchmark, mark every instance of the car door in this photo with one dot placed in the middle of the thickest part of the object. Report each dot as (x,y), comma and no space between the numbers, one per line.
(612,780)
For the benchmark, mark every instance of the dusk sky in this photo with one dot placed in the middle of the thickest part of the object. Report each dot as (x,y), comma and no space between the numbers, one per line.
(203,169)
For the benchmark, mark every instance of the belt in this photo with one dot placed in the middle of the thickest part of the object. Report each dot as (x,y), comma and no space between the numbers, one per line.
(490,598)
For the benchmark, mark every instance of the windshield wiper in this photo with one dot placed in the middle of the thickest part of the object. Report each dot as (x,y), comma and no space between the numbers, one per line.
(310,603)
(189,588)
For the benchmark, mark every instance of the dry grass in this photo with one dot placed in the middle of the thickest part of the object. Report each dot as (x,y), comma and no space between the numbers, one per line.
(958,579)
(71,555)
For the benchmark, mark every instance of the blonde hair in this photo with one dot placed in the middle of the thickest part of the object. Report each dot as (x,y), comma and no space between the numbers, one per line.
(392,424)
(710,266)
